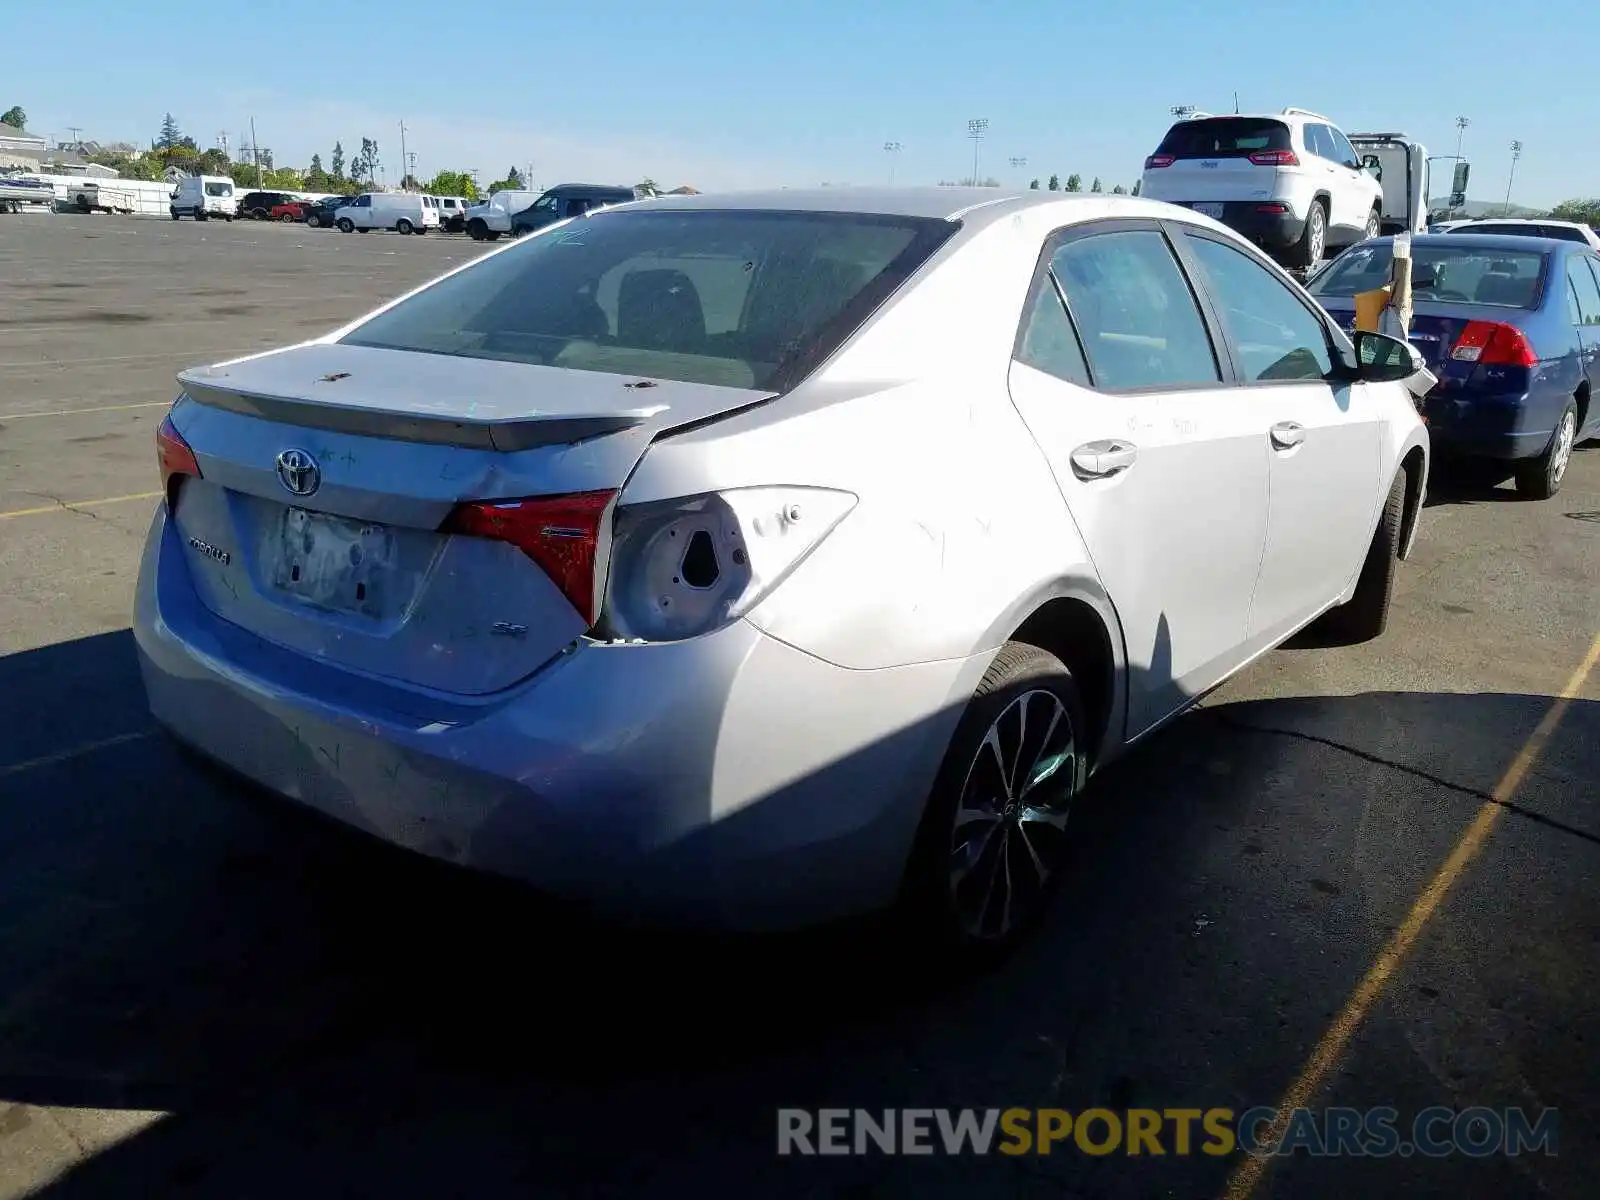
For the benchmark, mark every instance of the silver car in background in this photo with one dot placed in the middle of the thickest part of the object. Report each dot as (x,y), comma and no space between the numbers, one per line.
(758,560)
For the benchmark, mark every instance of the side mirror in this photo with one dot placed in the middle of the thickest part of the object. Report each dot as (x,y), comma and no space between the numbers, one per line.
(1383,359)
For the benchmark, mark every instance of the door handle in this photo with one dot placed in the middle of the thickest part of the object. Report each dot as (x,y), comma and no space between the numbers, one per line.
(1101,460)
(1286,435)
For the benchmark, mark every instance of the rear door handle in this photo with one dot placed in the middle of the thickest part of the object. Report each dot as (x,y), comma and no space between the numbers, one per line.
(1101,460)
(1286,435)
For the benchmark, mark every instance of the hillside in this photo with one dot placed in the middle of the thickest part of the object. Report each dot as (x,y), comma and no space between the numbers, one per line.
(1485,208)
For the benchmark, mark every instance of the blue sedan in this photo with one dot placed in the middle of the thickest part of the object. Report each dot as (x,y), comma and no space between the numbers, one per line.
(1511,327)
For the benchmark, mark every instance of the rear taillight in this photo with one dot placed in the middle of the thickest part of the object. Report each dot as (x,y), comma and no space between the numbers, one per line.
(1275,158)
(1276,209)
(176,459)
(1494,343)
(1159,160)
(559,533)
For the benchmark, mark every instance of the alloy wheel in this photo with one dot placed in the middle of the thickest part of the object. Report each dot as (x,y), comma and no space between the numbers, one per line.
(1566,435)
(1010,822)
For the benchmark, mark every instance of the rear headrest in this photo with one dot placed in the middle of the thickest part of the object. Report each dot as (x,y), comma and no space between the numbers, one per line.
(1502,289)
(660,310)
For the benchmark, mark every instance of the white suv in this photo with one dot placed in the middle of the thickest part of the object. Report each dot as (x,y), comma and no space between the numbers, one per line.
(1291,182)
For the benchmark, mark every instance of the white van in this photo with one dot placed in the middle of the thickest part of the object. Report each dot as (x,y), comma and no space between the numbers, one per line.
(403,212)
(204,196)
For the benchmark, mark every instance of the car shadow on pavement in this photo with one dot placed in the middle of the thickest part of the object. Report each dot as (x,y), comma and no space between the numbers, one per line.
(314,1010)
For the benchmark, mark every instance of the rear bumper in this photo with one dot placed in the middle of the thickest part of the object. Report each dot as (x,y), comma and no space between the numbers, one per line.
(731,781)
(1504,427)
(1258,221)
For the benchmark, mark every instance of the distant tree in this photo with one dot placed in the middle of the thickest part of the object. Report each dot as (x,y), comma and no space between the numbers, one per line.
(338,161)
(452,183)
(648,187)
(1055,183)
(1138,186)
(171,137)
(1033,186)
(213,162)
(14,117)
(1095,186)
(514,180)
(1583,211)
(1074,182)
(1119,190)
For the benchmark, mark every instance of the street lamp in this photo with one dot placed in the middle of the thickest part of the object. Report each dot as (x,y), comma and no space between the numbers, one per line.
(976,129)
(892,149)
(1516,153)
(1461,133)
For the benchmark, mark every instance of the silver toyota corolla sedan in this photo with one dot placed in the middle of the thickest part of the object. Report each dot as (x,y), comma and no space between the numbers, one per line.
(763,559)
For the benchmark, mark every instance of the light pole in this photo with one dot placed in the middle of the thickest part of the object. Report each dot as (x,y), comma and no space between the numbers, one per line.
(976,129)
(1461,133)
(403,159)
(1182,111)
(892,149)
(1516,153)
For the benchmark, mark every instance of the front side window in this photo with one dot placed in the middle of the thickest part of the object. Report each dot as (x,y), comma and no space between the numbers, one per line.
(1274,335)
(1343,151)
(741,299)
(1140,324)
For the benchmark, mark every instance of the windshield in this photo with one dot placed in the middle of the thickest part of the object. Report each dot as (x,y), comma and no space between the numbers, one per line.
(1224,137)
(1454,274)
(741,299)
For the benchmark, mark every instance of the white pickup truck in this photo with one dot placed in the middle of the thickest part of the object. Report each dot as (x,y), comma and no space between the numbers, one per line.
(487,221)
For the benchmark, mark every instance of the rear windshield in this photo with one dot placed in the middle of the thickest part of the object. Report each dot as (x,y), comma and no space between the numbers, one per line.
(1562,233)
(219,189)
(1224,137)
(741,299)
(1450,274)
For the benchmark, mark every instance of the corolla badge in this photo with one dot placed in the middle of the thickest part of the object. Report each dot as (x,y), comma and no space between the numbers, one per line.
(299,472)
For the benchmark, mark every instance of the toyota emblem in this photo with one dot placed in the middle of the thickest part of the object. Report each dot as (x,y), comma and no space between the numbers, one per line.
(298,472)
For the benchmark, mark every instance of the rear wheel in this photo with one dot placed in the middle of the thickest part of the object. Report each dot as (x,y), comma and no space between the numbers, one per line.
(1540,478)
(989,852)
(1374,225)
(287,217)
(346,225)
(314,221)
(403,226)
(1308,251)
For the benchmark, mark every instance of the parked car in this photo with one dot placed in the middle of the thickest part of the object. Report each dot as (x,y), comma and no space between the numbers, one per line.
(258,206)
(452,213)
(569,200)
(290,210)
(321,214)
(729,661)
(485,222)
(203,197)
(1566,231)
(1511,327)
(403,212)
(1290,181)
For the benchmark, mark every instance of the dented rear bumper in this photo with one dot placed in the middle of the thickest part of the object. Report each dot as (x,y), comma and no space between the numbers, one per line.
(731,780)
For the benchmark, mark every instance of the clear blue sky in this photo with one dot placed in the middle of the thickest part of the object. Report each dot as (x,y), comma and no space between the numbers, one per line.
(756,93)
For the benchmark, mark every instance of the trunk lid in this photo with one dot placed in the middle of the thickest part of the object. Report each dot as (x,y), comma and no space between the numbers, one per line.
(356,571)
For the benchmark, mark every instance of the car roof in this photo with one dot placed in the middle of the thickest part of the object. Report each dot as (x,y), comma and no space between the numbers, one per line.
(1481,241)
(937,203)
(1526,221)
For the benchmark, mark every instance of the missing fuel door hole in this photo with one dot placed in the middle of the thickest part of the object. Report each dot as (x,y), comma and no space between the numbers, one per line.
(699,568)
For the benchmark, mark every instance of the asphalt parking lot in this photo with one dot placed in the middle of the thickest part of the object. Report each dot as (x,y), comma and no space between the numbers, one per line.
(1357,877)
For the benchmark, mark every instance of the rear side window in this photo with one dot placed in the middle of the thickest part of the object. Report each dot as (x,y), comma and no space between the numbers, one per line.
(1140,324)
(1047,341)
(1320,142)
(1588,293)
(740,299)
(1225,137)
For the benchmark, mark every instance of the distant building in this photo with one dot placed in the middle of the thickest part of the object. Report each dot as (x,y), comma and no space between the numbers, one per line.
(19,149)
(62,161)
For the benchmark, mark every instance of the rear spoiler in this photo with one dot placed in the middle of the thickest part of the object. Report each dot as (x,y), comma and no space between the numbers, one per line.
(504,434)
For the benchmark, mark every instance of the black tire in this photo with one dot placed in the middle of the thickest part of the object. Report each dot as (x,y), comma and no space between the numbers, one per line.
(1366,614)
(1540,478)
(346,225)
(201,215)
(404,226)
(492,235)
(313,221)
(174,213)
(1313,243)
(476,230)
(933,901)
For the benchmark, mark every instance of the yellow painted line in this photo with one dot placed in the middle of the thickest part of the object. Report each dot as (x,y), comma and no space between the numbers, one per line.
(1336,1039)
(50,760)
(69,505)
(68,412)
